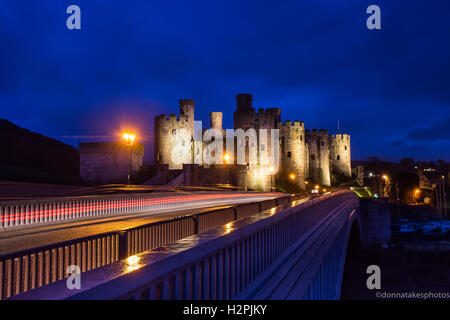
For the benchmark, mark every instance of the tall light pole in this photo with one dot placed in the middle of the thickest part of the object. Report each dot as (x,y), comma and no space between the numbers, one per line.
(226,157)
(129,138)
(385,185)
(271,170)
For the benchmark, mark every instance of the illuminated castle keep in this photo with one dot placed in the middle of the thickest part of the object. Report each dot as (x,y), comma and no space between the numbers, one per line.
(304,156)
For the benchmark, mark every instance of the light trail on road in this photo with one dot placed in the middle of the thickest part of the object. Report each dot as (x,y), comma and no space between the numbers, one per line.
(14,217)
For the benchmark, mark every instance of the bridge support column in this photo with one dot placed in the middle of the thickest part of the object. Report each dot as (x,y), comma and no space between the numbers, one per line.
(376,222)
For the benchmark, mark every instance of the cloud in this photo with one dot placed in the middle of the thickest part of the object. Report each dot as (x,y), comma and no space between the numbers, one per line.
(437,131)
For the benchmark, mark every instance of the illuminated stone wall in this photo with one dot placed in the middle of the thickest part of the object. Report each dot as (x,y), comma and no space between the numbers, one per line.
(307,155)
(174,137)
(340,154)
(319,156)
(107,162)
(292,152)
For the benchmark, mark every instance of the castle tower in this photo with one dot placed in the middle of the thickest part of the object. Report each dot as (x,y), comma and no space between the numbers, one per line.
(216,120)
(340,155)
(187,109)
(292,152)
(244,101)
(319,156)
(246,117)
(174,136)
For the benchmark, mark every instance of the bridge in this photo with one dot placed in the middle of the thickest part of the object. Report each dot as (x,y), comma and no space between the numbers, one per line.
(246,245)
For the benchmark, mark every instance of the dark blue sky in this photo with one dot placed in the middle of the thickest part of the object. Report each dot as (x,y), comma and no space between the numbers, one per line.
(316,60)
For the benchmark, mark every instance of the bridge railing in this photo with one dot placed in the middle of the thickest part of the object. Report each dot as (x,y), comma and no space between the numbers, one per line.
(36,267)
(218,264)
(21,213)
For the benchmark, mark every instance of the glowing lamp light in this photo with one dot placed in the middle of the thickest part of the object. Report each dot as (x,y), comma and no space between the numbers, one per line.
(133,263)
(317,187)
(292,176)
(271,169)
(385,177)
(226,157)
(129,138)
(417,191)
(133,260)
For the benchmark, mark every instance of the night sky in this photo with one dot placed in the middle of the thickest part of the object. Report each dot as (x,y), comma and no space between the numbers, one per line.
(316,60)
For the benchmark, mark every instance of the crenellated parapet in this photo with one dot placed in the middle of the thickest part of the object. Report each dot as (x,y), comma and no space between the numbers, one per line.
(340,154)
(174,135)
(293,151)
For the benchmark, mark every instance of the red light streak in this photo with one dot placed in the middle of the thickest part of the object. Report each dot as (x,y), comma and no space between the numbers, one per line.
(83,208)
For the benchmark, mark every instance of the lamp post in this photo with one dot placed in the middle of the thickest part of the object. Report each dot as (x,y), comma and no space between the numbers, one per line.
(271,170)
(384,186)
(226,157)
(129,138)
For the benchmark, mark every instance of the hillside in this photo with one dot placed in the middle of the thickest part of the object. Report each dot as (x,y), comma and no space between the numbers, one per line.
(29,156)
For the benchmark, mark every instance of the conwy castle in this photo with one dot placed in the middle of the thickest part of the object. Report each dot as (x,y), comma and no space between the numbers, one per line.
(304,156)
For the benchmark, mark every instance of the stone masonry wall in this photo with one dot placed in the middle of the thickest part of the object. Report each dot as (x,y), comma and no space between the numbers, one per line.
(107,162)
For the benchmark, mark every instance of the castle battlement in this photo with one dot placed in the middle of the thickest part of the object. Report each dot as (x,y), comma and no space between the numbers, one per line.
(268,111)
(319,133)
(340,137)
(309,154)
(108,147)
(171,118)
(288,124)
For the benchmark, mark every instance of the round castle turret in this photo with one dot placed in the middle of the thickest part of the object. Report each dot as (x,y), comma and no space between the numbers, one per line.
(168,134)
(319,156)
(340,154)
(292,151)
(216,120)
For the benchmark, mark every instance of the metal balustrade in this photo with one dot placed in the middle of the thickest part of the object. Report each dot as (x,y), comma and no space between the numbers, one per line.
(29,269)
(21,213)
(229,262)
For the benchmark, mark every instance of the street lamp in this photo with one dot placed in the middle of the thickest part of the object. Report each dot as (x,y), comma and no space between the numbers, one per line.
(226,157)
(129,138)
(417,194)
(271,170)
(383,186)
